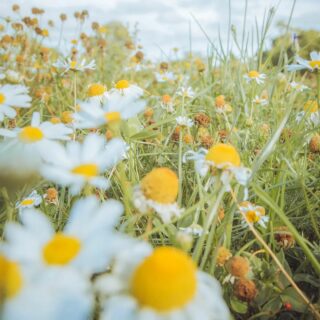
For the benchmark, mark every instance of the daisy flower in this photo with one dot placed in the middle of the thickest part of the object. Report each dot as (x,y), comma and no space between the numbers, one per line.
(254,75)
(311,111)
(38,136)
(311,65)
(253,213)
(74,65)
(89,240)
(22,291)
(97,91)
(300,87)
(223,157)
(165,76)
(13,96)
(125,89)
(80,164)
(158,191)
(260,101)
(184,121)
(162,284)
(167,103)
(186,92)
(32,200)
(115,109)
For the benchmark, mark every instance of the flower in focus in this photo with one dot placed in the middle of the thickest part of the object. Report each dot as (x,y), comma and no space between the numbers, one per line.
(253,213)
(163,283)
(32,200)
(87,242)
(311,65)
(81,164)
(223,157)
(254,75)
(13,96)
(158,191)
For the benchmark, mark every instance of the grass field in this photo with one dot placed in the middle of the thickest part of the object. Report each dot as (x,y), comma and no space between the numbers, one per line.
(138,189)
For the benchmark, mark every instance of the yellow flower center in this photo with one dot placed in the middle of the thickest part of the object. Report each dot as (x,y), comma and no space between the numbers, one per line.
(165,280)
(88,170)
(27,202)
(2,98)
(61,249)
(122,84)
(66,117)
(311,106)
(112,116)
(30,134)
(253,74)
(223,154)
(314,64)
(252,216)
(10,278)
(96,89)
(160,185)
(73,64)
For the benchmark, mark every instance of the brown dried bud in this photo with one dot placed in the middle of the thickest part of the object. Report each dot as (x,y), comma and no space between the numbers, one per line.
(63,17)
(109,135)
(238,266)
(15,8)
(95,25)
(206,141)
(202,119)
(52,195)
(284,237)
(164,66)
(245,289)
(286,134)
(314,144)
(139,56)
(148,113)
(187,138)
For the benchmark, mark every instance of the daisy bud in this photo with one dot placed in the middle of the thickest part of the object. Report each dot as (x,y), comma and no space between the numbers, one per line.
(238,266)
(206,141)
(220,101)
(15,8)
(66,117)
(188,139)
(245,289)
(314,144)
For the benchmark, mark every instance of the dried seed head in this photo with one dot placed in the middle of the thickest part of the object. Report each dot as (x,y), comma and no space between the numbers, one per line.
(202,119)
(314,144)
(245,289)
(223,255)
(238,266)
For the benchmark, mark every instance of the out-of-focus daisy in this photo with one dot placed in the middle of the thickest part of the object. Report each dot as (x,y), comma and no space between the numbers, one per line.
(74,65)
(311,65)
(21,291)
(167,103)
(13,96)
(32,200)
(310,112)
(87,242)
(260,101)
(163,284)
(253,213)
(186,92)
(300,87)
(221,105)
(254,75)
(13,76)
(97,91)
(158,191)
(37,134)
(223,157)
(165,76)
(115,109)
(184,121)
(80,164)
(125,89)
(194,229)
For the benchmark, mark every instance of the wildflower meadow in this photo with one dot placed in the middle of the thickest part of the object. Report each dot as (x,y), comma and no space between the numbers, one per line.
(140,189)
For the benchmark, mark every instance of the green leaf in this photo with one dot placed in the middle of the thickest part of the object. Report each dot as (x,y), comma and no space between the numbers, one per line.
(290,295)
(238,306)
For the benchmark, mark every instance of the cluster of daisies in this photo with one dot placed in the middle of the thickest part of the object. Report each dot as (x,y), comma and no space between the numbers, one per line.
(86,267)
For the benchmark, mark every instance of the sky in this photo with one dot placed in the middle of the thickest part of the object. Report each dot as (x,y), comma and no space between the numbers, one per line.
(166,24)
